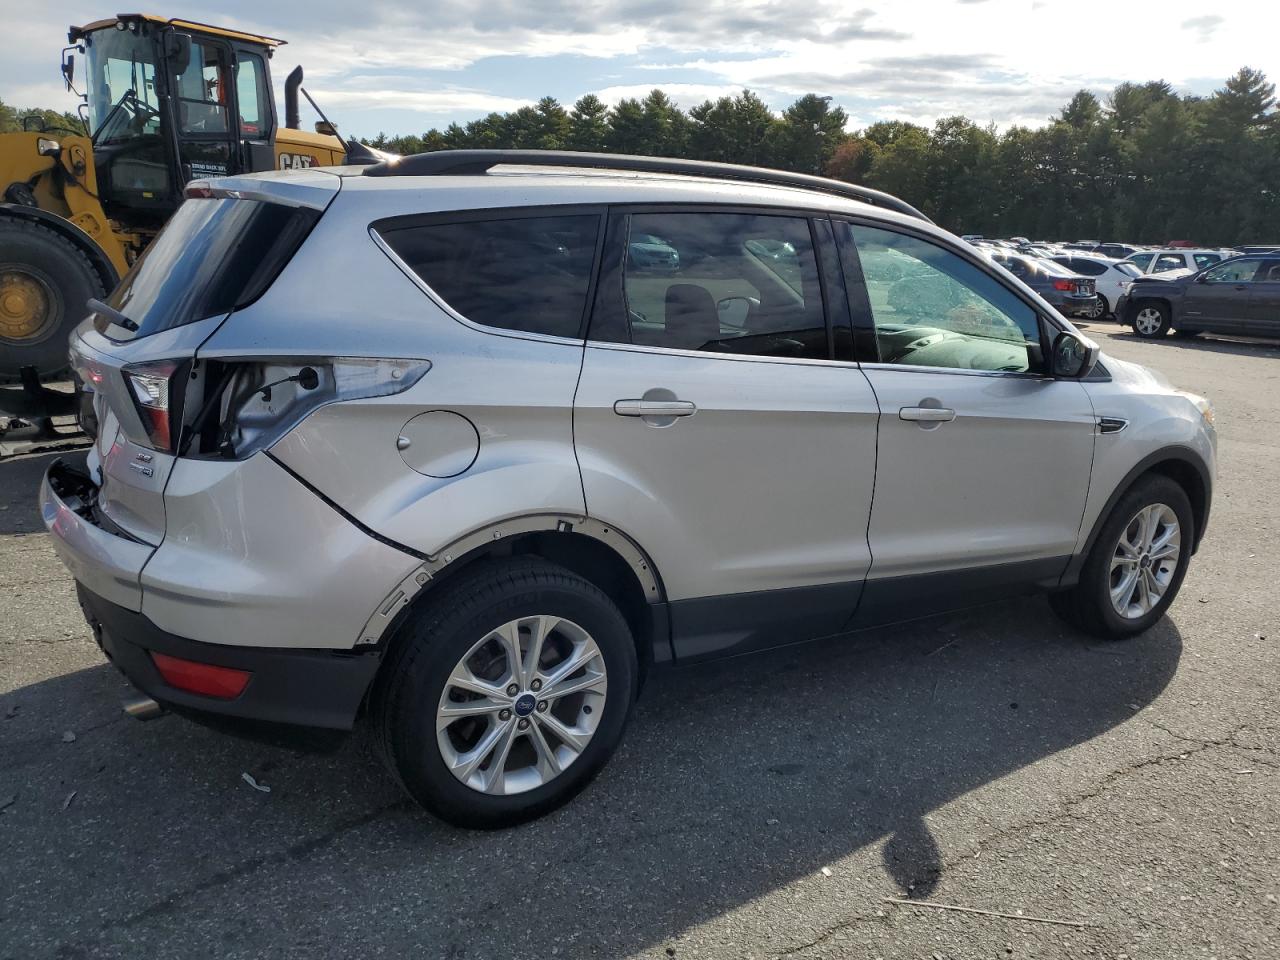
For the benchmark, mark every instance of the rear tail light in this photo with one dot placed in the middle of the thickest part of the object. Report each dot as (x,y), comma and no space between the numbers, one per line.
(157,390)
(1067,285)
(255,403)
(206,679)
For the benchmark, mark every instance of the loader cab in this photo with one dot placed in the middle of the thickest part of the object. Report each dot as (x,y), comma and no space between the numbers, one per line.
(171,101)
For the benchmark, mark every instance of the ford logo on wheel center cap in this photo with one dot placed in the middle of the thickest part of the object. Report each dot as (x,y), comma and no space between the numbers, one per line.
(524,704)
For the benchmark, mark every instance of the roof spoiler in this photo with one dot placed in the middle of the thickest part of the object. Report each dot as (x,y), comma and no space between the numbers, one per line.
(442,163)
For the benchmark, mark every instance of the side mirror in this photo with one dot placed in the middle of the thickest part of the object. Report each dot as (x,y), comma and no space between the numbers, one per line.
(326,128)
(734,311)
(68,70)
(177,50)
(1201,278)
(1073,356)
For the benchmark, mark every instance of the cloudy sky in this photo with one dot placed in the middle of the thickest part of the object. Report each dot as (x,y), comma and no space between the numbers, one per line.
(404,67)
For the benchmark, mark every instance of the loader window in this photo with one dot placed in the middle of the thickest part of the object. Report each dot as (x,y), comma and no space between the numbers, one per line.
(251,96)
(121,72)
(202,90)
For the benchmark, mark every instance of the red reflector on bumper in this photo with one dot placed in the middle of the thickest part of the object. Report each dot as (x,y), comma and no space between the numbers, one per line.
(225,683)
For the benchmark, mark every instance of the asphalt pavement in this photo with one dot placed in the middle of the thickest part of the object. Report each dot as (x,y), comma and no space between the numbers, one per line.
(767,806)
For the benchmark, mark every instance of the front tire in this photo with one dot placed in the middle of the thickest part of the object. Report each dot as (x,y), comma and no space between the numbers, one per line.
(506,694)
(1151,320)
(1136,565)
(44,283)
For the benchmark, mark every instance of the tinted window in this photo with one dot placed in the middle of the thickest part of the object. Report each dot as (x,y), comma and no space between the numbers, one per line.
(1169,261)
(1234,271)
(1089,268)
(1205,259)
(724,282)
(1271,272)
(529,273)
(933,308)
(212,256)
(251,96)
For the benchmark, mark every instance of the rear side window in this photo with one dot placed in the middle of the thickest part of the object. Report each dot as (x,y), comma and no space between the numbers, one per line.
(1088,268)
(529,274)
(213,256)
(724,283)
(1169,261)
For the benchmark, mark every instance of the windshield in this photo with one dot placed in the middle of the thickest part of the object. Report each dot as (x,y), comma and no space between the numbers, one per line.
(121,71)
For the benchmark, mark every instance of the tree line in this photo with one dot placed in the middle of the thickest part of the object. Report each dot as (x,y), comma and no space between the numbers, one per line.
(1145,164)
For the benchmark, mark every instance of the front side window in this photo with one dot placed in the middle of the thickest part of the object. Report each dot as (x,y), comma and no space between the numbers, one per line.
(724,282)
(202,90)
(529,274)
(1236,271)
(1205,259)
(1169,261)
(933,308)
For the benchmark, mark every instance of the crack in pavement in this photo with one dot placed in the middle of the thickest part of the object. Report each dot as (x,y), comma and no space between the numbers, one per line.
(1066,812)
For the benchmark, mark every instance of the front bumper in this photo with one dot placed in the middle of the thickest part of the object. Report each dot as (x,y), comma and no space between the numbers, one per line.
(297,688)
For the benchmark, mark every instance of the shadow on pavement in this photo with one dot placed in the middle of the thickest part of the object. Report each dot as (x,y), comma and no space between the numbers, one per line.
(20,487)
(735,779)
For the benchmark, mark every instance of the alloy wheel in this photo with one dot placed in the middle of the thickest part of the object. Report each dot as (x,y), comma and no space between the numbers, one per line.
(1145,560)
(1148,320)
(522,705)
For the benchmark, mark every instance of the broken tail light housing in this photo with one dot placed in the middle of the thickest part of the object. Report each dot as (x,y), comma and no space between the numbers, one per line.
(157,389)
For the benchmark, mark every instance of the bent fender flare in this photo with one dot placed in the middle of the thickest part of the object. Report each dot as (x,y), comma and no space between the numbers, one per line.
(102,265)
(1181,454)
(381,620)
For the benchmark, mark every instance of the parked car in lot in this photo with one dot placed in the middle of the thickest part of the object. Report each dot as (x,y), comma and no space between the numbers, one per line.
(1116,251)
(1111,278)
(1239,296)
(650,253)
(1071,294)
(1168,261)
(476,496)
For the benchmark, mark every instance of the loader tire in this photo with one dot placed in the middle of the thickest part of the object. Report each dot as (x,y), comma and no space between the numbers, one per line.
(44,283)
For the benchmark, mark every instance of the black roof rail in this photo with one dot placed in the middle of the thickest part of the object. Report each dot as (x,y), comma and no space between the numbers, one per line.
(440,163)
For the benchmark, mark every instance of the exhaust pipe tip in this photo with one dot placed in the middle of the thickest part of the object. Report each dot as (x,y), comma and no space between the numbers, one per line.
(141,707)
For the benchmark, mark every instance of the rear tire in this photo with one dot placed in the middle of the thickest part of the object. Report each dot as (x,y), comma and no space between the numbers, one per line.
(45,280)
(1089,605)
(1100,310)
(461,630)
(1150,320)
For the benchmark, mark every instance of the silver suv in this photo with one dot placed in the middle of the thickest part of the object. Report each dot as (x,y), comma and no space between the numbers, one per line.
(467,443)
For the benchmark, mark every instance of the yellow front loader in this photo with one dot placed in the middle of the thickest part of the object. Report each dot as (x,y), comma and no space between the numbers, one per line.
(165,102)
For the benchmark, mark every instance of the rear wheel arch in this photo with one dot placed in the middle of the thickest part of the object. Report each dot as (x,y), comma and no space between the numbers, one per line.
(597,552)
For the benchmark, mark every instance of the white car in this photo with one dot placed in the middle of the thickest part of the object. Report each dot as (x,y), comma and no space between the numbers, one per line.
(1111,278)
(1165,261)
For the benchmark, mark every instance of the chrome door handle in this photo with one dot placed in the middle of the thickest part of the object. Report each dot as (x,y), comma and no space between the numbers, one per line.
(654,408)
(927,414)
